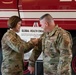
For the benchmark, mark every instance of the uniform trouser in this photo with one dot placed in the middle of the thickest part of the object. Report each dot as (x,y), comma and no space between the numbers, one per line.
(12,73)
(9,71)
(68,73)
(49,74)
(56,72)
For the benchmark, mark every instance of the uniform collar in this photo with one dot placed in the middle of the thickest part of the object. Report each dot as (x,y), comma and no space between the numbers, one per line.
(12,31)
(53,31)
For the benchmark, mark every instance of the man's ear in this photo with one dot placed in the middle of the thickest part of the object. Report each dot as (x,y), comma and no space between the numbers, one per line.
(47,23)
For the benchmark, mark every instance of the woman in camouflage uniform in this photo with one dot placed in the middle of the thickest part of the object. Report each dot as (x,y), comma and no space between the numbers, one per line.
(13,48)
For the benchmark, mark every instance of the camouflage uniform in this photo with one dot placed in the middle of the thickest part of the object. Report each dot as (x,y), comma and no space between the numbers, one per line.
(13,49)
(57,55)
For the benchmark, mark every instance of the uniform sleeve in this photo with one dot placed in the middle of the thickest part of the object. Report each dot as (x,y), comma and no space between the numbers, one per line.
(65,49)
(35,53)
(18,44)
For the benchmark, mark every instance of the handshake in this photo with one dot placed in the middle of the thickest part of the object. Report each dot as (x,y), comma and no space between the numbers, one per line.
(34,40)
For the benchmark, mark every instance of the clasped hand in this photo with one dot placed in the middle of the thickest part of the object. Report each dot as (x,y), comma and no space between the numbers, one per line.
(34,40)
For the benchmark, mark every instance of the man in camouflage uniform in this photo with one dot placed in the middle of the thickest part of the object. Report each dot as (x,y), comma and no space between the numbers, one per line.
(13,48)
(56,46)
